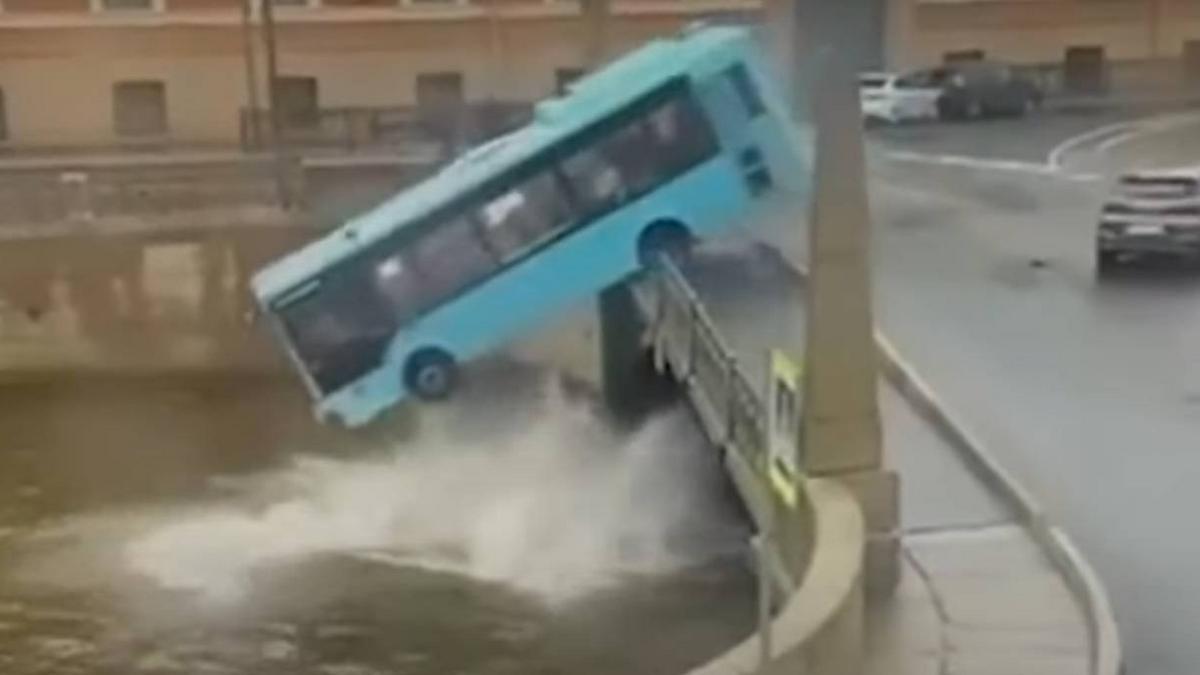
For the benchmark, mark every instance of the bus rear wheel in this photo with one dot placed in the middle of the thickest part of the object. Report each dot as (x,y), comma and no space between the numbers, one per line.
(431,375)
(664,238)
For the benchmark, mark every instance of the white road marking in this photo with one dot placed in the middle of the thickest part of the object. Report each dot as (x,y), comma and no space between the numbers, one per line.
(966,161)
(1110,136)
(1055,158)
(1105,138)
(1113,141)
(1150,128)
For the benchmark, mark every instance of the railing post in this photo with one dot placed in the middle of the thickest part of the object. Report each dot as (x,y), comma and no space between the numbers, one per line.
(350,128)
(760,544)
(658,332)
(251,131)
(730,398)
(661,304)
(693,316)
(278,141)
(78,185)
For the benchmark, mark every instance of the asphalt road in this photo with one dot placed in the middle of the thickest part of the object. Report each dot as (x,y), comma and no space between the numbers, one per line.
(993,138)
(756,301)
(1089,392)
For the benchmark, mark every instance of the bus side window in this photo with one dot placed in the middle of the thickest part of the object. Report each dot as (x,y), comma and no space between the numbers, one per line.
(450,257)
(681,136)
(611,170)
(595,181)
(637,157)
(516,219)
(626,150)
(397,285)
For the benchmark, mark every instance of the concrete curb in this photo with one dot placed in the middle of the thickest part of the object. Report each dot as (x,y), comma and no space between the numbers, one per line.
(816,631)
(1106,657)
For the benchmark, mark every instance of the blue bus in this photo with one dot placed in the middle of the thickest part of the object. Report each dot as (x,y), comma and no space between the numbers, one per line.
(672,142)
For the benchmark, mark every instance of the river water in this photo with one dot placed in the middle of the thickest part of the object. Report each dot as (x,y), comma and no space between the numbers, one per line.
(208,526)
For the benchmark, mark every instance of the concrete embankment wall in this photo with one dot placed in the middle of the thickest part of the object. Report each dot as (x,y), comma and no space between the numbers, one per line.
(818,627)
(818,630)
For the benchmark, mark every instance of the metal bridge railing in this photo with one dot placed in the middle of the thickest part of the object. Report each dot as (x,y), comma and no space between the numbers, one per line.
(686,340)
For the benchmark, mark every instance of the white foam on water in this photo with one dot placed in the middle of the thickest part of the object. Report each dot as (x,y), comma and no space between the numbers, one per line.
(557,505)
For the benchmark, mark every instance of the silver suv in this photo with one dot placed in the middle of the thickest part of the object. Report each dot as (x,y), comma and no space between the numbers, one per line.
(1153,213)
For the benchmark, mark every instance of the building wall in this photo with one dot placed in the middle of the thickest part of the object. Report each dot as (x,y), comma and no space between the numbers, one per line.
(58,64)
(59,59)
(1040,31)
(58,102)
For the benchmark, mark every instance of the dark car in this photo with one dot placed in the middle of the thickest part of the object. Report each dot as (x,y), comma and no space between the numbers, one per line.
(983,89)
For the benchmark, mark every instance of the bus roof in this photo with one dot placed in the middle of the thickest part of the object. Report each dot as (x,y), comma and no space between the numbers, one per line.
(608,89)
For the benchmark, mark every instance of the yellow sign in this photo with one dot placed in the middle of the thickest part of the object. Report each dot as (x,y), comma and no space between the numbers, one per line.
(784,482)
(783,427)
(784,369)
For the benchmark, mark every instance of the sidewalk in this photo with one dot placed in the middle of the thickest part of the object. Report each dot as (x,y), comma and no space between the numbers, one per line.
(977,595)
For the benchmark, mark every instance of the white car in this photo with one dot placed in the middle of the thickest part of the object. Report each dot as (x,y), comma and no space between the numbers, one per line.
(893,98)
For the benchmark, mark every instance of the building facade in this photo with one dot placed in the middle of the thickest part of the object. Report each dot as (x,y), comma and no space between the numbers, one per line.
(1086,44)
(191,73)
(1042,31)
(130,73)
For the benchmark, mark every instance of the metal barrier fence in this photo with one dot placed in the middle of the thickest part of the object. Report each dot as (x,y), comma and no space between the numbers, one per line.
(345,128)
(55,190)
(393,127)
(687,342)
(385,148)
(732,412)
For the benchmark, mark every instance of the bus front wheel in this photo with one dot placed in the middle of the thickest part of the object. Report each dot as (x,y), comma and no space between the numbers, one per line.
(431,374)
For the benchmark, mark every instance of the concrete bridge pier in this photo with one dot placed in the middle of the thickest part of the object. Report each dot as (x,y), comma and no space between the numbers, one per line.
(631,386)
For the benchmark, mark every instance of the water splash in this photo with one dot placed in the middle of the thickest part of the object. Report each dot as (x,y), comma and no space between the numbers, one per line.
(555,504)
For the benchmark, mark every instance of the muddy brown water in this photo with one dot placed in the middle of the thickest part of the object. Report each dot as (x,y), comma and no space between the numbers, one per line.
(88,466)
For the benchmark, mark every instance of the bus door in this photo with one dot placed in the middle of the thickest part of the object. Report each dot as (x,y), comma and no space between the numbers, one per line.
(733,101)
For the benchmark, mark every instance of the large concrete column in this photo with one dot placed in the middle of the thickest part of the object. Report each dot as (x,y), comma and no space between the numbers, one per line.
(860,30)
(620,349)
(595,16)
(841,431)
(854,27)
(782,34)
